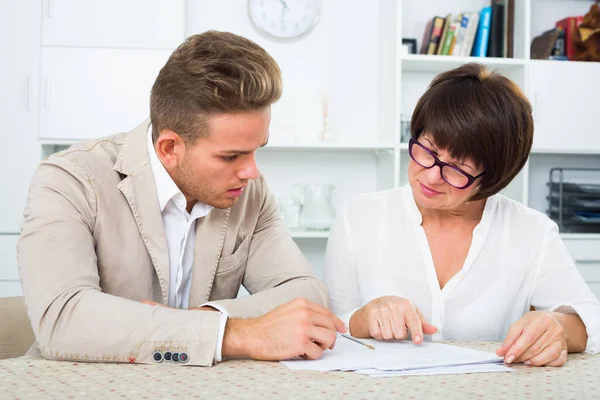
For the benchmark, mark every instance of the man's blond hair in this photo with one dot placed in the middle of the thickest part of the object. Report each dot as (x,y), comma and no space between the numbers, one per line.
(213,72)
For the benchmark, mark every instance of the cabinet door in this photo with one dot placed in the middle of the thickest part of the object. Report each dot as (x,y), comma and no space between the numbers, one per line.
(148,24)
(10,284)
(587,257)
(89,93)
(566,116)
(20,48)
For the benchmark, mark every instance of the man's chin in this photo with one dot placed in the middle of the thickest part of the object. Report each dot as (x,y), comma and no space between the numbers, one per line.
(224,203)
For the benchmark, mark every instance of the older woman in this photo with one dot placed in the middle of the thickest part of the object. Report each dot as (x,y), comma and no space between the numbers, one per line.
(446,254)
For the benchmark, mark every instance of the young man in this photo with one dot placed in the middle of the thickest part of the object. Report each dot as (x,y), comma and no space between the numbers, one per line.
(173,213)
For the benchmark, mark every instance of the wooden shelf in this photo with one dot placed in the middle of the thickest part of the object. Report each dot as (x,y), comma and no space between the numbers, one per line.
(437,64)
(310,234)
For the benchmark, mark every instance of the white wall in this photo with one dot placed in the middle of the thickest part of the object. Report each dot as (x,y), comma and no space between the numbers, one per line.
(338,57)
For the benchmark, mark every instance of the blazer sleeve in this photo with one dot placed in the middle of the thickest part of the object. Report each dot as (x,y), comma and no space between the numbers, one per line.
(71,316)
(277,271)
(559,286)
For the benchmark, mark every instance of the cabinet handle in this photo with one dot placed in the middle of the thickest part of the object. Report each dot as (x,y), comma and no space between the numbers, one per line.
(47,89)
(50,8)
(29,93)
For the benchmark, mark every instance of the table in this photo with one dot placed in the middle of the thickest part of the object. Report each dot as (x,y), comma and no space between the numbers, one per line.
(29,378)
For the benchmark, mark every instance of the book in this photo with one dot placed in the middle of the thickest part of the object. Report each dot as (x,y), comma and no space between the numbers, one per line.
(444,33)
(470,35)
(496,41)
(483,33)
(509,28)
(426,36)
(436,35)
(450,38)
(460,35)
(569,25)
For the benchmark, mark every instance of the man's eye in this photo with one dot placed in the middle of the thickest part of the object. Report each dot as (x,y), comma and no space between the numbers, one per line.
(229,158)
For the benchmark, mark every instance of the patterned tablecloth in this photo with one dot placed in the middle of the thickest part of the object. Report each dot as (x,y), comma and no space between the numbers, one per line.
(26,378)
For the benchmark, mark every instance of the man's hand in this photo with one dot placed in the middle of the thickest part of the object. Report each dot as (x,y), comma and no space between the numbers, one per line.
(538,338)
(389,318)
(298,328)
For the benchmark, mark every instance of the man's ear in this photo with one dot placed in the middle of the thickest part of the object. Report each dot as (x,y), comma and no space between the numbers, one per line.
(170,148)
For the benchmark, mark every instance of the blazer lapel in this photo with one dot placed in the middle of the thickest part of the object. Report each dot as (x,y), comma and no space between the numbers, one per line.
(139,188)
(210,235)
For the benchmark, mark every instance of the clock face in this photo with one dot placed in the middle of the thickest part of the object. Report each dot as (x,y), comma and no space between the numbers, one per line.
(284,19)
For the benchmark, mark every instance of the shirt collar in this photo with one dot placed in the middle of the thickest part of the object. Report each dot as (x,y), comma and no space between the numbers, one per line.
(166,188)
(415,215)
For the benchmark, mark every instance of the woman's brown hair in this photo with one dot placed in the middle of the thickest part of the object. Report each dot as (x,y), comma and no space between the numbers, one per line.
(479,115)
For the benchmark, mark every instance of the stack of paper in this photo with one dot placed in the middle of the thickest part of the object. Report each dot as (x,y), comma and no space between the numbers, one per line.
(398,358)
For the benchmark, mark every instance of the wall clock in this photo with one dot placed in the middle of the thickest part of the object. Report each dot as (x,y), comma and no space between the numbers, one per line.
(284,19)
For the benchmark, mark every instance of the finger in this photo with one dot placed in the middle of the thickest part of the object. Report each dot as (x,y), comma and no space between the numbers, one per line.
(538,347)
(398,327)
(528,337)
(322,321)
(325,338)
(385,325)
(374,328)
(340,326)
(428,329)
(413,322)
(312,351)
(561,360)
(551,354)
(511,337)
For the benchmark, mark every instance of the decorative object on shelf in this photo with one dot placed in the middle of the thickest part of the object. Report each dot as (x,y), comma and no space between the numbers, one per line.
(404,129)
(542,46)
(316,207)
(325,134)
(409,46)
(575,206)
(284,19)
(290,212)
(586,39)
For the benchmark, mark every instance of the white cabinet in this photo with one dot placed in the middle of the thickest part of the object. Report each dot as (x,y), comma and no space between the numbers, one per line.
(19,46)
(586,253)
(89,93)
(9,272)
(565,112)
(147,24)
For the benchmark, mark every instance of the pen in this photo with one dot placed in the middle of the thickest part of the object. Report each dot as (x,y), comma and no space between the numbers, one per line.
(358,341)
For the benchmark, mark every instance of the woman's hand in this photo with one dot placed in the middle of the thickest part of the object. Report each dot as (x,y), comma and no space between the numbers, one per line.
(538,338)
(390,317)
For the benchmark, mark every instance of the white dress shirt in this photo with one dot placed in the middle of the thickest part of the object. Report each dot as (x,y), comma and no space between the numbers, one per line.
(377,247)
(180,231)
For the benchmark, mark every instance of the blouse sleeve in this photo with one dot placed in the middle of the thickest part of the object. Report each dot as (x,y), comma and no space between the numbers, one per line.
(558,286)
(340,269)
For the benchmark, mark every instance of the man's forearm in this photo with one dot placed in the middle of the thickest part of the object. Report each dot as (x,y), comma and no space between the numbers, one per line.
(260,303)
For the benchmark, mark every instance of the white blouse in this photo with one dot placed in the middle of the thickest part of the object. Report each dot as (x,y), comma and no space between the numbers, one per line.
(517,259)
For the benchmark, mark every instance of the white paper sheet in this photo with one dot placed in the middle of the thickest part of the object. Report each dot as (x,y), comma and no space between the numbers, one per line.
(392,356)
(458,369)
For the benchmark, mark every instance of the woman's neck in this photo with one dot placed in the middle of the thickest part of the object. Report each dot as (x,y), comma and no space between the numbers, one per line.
(468,212)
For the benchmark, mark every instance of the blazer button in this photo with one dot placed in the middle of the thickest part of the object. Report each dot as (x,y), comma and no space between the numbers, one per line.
(183,358)
(175,357)
(158,357)
(168,356)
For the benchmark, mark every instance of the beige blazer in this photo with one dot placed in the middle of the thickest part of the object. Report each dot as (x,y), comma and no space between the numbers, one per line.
(93,246)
